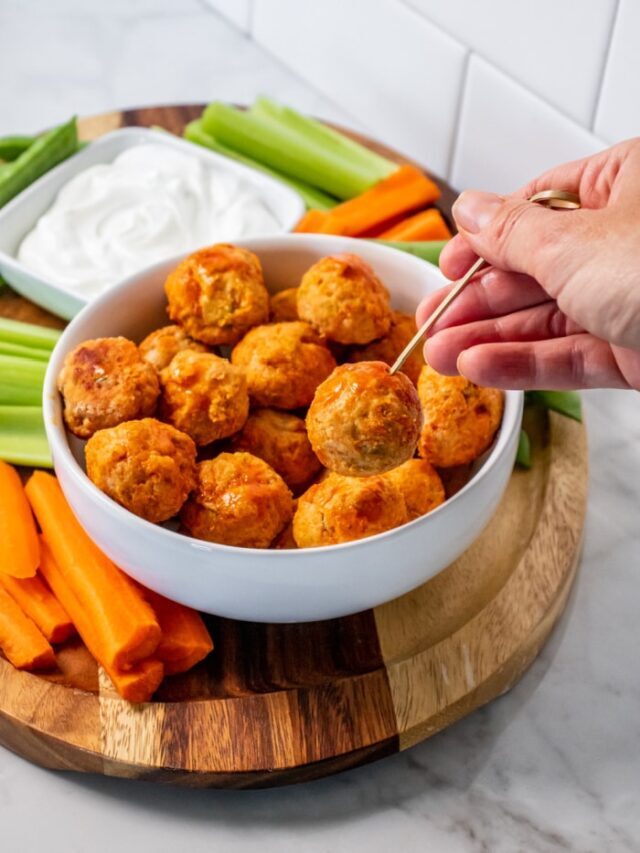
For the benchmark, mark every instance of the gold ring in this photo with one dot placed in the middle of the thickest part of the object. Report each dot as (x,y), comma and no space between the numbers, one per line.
(557,199)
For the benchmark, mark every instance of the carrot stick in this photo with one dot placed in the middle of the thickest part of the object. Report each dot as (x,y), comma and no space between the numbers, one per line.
(311,222)
(19,552)
(185,639)
(136,684)
(40,604)
(426,225)
(20,639)
(404,190)
(140,683)
(124,623)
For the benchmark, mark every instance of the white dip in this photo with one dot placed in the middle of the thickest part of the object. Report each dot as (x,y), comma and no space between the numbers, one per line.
(150,203)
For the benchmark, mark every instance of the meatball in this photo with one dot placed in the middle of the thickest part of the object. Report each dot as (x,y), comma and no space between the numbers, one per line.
(280,438)
(239,500)
(363,420)
(146,466)
(217,294)
(104,382)
(284,363)
(284,305)
(387,349)
(344,300)
(460,418)
(161,346)
(341,509)
(284,541)
(203,395)
(420,484)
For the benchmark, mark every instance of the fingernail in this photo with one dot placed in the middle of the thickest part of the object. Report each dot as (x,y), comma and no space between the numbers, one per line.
(474,210)
(460,363)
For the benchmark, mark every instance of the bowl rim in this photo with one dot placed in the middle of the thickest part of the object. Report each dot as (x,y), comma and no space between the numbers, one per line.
(57,433)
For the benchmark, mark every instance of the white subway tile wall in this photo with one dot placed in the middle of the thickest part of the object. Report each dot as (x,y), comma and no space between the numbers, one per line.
(379,60)
(485,93)
(618,115)
(506,135)
(557,48)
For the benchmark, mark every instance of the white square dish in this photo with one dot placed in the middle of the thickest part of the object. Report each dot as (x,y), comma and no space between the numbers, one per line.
(20,215)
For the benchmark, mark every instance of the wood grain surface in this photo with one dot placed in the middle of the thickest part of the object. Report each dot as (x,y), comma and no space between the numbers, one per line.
(276,704)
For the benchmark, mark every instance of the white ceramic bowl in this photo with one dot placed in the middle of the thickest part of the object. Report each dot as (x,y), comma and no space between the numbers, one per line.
(20,215)
(263,585)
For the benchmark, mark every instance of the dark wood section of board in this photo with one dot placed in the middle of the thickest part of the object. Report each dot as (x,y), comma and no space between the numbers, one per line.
(252,657)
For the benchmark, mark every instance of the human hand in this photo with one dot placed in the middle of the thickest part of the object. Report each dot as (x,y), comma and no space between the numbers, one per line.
(560,306)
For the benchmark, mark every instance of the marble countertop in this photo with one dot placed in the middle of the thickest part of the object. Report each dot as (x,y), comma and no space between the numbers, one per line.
(553,765)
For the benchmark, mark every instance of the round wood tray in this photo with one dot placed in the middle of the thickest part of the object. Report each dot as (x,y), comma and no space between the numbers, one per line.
(276,704)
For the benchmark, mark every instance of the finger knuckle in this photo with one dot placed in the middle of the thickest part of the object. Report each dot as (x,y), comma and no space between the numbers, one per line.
(506,224)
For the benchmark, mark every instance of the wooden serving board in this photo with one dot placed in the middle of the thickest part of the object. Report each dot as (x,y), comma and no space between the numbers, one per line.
(276,704)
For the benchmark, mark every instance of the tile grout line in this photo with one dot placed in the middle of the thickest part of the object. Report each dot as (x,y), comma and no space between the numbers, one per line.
(212,10)
(455,135)
(605,63)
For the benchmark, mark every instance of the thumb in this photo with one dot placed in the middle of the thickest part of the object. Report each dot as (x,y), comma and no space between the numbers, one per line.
(521,236)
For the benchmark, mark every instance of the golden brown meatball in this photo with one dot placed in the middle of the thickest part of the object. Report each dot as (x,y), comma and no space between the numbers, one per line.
(460,418)
(204,395)
(344,300)
(161,346)
(363,420)
(217,294)
(239,500)
(284,306)
(387,349)
(420,485)
(146,466)
(104,382)
(284,363)
(280,438)
(284,541)
(341,509)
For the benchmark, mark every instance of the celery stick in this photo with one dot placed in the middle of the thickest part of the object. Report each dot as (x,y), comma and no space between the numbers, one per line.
(7,348)
(566,403)
(523,456)
(12,147)
(22,437)
(16,394)
(279,148)
(313,198)
(427,250)
(21,381)
(318,133)
(28,334)
(45,153)
(12,365)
